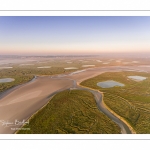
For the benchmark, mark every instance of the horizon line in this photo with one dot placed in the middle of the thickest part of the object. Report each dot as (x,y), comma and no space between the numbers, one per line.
(74,54)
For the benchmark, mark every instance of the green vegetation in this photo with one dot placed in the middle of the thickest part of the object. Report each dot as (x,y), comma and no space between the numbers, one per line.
(25,73)
(73,112)
(19,76)
(132,102)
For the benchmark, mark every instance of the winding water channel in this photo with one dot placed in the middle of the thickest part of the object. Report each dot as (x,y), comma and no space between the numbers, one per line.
(21,102)
(101,105)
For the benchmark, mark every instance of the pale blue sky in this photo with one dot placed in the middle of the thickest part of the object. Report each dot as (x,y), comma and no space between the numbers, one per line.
(73,35)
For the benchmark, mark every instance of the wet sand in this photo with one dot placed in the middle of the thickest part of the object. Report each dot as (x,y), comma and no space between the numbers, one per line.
(24,101)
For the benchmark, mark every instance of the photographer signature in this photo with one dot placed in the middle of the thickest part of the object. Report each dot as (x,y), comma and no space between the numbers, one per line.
(7,123)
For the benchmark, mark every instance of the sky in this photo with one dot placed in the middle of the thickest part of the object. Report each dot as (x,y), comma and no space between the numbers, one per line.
(48,35)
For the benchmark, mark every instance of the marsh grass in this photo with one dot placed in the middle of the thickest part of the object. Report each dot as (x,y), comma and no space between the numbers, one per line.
(132,102)
(26,73)
(72,112)
(19,76)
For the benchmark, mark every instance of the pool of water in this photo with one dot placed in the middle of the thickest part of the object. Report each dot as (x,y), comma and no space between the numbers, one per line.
(26,64)
(118,60)
(6,67)
(88,65)
(85,61)
(137,78)
(98,60)
(77,72)
(45,67)
(70,68)
(109,84)
(5,80)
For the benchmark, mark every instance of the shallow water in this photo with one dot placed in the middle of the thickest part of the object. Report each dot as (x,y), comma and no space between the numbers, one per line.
(6,67)
(137,78)
(85,61)
(70,68)
(45,67)
(98,60)
(109,84)
(88,65)
(26,64)
(4,80)
(77,72)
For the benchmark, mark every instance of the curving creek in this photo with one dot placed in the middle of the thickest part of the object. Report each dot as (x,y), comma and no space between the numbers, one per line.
(101,106)
(21,102)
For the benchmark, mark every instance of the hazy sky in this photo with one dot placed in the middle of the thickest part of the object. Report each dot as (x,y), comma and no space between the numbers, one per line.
(73,35)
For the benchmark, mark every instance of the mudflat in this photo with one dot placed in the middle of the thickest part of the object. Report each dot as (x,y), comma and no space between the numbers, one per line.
(21,103)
